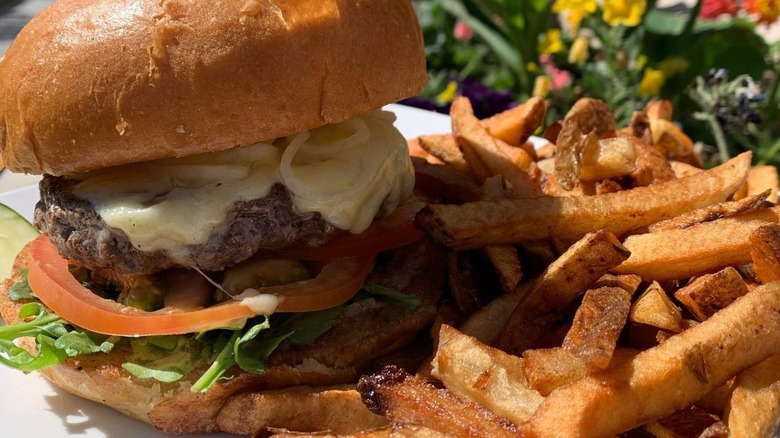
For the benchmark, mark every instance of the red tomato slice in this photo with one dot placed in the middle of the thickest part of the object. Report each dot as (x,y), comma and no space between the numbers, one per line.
(389,232)
(338,281)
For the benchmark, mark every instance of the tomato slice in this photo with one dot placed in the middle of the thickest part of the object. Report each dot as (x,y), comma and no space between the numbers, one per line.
(390,232)
(338,281)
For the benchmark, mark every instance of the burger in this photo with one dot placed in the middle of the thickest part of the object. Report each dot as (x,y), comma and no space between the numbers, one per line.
(225,209)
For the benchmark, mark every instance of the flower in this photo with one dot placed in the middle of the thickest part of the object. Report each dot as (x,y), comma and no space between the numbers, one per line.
(567,5)
(673,65)
(768,10)
(541,86)
(578,53)
(651,84)
(551,42)
(715,8)
(462,31)
(449,93)
(625,12)
(558,78)
(574,17)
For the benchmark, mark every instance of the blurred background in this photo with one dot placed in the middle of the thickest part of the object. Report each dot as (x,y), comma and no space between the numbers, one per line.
(716,61)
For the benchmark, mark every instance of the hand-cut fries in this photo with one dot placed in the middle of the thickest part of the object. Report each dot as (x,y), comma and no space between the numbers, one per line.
(763,178)
(559,285)
(707,294)
(652,167)
(611,158)
(690,422)
(707,247)
(478,224)
(597,325)
(403,398)
(504,259)
(654,308)
(515,125)
(677,145)
(710,213)
(484,375)
(445,148)
(754,408)
(592,115)
(666,378)
(765,253)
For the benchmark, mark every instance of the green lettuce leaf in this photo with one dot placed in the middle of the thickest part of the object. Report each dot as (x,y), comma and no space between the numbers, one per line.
(21,289)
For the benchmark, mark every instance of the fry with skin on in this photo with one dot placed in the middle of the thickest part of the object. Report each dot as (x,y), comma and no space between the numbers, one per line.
(611,158)
(478,224)
(486,323)
(592,115)
(765,253)
(562,282)
(628,282)
(754,407)
(666,378)
(677,145)
(445,148)
(550,368)
(709,293)
(681,170)
(504,258)
(689,422)
(710,213)
(484,375)
(444,182)
(652,167)
(703,248)
(403,398)
(654,308)
(392,431)
(763,178)
(515,125)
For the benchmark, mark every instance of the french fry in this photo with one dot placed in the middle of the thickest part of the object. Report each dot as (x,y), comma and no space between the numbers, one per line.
(597,325)
(689,422)
(478,224)
(592,115)
(484,375)
(607,186)
(681,170)
(392,431)
(762,178)
(715,401)
(707,247)
(677,145)
(709,293)
(445,148)
(444,182)
(666,378)
(639,127)
(659,109)
(710,213)
(652,167)
(628,282)
(515,125)
(463,283)
(504,258)
(654,308)
(403,398)
(612,158)
(754,407)
(335,409)
(765,253)
(572,141)
(562,282)
(486,323)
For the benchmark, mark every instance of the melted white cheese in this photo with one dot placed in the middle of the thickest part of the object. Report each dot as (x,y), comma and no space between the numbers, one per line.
(259,304)
(348,172)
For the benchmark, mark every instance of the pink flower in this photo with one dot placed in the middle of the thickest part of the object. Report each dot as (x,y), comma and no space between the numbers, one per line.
(715,8)
(558,78)
(462,31)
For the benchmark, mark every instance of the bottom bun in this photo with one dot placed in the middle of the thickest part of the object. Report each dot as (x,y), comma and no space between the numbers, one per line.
(305,388)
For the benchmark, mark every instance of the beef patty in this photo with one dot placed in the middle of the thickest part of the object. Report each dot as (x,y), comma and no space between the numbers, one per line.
(265,223)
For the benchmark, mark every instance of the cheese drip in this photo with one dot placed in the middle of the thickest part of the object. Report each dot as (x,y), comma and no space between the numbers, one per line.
(348,172)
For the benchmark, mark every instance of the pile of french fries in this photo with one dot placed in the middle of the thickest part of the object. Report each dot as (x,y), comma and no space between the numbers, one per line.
(634,292)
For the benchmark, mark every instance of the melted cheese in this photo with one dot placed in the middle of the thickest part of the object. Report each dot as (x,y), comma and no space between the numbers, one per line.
(348,172)
(258,303)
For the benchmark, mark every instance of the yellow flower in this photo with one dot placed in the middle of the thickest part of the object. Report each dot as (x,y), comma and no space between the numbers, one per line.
(626,12)
(541,86)
(641,60)
(448,94)
(673,65)
(578,53)
(532,67)
(574,17)
(551,42)
(768,10)
(567,5)
(651,83)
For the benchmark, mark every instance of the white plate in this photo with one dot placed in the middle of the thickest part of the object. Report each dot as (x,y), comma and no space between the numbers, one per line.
(30,406)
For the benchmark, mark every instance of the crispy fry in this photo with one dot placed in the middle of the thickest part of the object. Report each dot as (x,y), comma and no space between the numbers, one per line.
(677,145)
(652,166)
(710,213)
(707,247)
(762,178)
(709,293)
(336,409)
(444,182)
(463,283)
(654,308)
(607,186)
(597,325)
(681,170)
(515,125)
(666,378)
(486,323)
(629,283)
(592,115)
(479,224)
(445,148)
(504,258)
(612,158)
(689,422)
(639,127)
(659,109)
(562,282)
(572,141)
(715,401)
(765,253)
(754,408)
(480,147)
(403,398)
(484,375)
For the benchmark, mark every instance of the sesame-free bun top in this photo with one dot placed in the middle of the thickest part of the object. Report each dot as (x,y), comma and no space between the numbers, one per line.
(89,84)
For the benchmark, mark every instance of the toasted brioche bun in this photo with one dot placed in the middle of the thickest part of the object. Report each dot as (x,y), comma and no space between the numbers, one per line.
(90,84)
(307,388)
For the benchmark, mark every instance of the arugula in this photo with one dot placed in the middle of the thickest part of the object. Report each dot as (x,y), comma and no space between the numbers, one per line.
(164,358)
(21,289)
